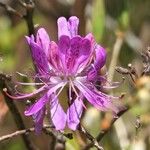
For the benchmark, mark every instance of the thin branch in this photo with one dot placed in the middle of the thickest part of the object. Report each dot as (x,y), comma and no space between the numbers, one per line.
(29,6)
(6,82)
(94,141)
(11,10)
(115,55)
(21,132)
(14,134)
(105,131)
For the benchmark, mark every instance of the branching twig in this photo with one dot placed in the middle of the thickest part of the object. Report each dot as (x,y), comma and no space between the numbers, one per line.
(21,132)
(104,132)
(6,82)
(93,140)
(14,134)
(11,10)
(29,6)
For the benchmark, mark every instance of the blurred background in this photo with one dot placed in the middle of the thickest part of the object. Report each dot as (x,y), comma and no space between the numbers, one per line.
(124,22)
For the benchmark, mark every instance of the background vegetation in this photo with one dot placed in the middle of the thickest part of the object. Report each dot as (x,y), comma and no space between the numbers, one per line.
(123,28)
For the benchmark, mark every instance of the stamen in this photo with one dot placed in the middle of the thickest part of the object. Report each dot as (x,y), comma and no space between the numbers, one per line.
(23,83)
(26,95)
(111,85)
(21,74)
(72,85)
(70,96)
(55,98)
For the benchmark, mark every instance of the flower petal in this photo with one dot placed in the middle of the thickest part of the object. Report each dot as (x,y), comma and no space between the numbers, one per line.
(100,59)
(62,27)
(72,53)
(43,40)
(38,119)
(98,99)
(39,58)
(74,113)
(73,23)
(43,100)
(33,109)
(54,57)
(63,46)
(84,55)
(58,115)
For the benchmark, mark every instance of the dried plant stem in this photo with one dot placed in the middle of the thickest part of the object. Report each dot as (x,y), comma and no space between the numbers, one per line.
(104,132)
(6,82)
(115,55)
(11,10)
(94,141)
(111,72)
(29,6)
(16,133)
(21,132)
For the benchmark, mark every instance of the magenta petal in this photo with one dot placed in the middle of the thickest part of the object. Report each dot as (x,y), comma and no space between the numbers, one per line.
(43,100)
(90,37)
(73,25)
(38,119)
(98,99)
(58,115)
(85,47)
(92,74)
(72,53)
(54,56)
(64,44)
(39,58)
(100,60)
(84,55)
(62,27)
(37,106)
(74,113)
(42,39)
(29,39)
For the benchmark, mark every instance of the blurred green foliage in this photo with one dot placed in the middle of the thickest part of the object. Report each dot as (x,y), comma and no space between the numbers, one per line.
(121,11)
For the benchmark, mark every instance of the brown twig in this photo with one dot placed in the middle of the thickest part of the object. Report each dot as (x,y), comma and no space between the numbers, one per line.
(11,10)
(6,82)
(115,55)
(16,133)
(29,6)
(21,132)
(93,140)
(105,131)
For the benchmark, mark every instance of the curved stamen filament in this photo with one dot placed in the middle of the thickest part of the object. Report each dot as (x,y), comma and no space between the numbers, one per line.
(22,83)
(21,74)
(72,85)
(43,88)
(57,101)
(70,96)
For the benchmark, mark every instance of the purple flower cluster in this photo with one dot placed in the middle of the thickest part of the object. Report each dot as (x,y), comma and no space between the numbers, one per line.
(73,62)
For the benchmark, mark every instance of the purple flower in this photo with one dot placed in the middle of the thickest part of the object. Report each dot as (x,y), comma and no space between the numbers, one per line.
(74,62)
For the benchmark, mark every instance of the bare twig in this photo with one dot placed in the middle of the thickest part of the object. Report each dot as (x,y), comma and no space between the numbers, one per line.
(16,133)
(93,140)
(58,138)
(115,55)
(11,10)
(105,131)
(130,38)
(21,132)
(6,82)
(29,5)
